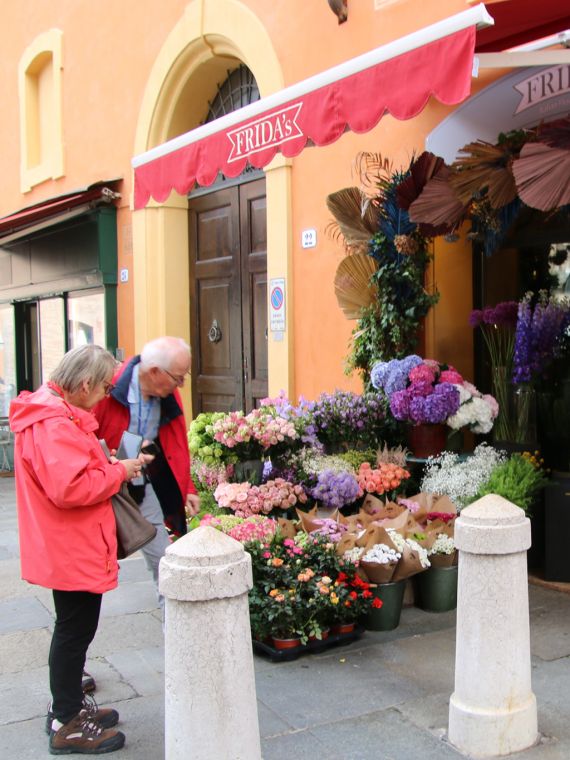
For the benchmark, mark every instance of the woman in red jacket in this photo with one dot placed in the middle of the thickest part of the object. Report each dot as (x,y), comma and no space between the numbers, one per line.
(68,543)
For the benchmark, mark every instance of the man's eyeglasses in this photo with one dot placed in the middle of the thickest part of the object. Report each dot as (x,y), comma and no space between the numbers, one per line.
(178,379)
(108,388)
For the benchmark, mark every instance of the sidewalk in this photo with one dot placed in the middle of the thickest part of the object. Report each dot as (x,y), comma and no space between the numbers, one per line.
(384,697)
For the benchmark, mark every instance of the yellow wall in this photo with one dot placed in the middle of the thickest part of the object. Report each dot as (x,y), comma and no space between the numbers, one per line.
(136,73)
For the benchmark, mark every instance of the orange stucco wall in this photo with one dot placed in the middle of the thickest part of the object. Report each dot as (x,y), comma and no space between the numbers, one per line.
(109,49)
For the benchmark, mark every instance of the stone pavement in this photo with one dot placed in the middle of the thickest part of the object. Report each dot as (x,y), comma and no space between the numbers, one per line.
(383,697)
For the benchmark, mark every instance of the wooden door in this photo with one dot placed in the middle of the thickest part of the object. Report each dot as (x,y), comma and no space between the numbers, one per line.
(228,266)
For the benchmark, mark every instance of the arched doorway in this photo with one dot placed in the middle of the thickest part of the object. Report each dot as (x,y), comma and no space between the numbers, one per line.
(228,276)
(214,36)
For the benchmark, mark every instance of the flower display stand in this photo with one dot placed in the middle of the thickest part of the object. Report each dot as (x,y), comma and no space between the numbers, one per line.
(388,616)
(427,440)
(437,589)
(313,646)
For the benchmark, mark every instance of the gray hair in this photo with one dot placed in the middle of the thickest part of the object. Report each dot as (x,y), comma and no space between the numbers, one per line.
(161,351)
(91,363)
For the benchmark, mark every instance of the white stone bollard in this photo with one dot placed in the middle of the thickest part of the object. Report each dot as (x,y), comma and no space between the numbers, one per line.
(492,711)
(210,700)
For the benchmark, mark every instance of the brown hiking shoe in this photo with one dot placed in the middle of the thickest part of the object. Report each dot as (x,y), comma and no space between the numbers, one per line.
(88,683)
(106,717)
(83,736)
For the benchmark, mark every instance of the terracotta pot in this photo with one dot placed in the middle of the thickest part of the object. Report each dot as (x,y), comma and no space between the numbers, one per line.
(343,627)
(427,440)
(285,643)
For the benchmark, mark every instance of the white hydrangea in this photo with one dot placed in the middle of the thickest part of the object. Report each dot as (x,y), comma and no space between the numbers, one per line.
(381,554)
(460,478)
(443,544)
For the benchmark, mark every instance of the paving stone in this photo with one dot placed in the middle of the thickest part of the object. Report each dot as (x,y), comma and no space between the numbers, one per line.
(142,669)
(126,632)
(24,650)
(129,598)
(23,614)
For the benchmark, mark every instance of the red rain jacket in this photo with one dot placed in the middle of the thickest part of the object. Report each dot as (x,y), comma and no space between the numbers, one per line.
(63,488)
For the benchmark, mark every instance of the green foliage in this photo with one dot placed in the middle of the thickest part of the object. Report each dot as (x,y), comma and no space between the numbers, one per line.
(355,458)
(517,480)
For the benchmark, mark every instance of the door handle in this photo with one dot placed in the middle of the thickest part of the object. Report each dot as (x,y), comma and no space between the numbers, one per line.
(215,333)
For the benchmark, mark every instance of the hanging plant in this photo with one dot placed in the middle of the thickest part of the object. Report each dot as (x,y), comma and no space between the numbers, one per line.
(381,280)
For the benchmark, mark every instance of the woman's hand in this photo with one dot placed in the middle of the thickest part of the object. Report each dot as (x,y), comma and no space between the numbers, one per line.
(132,466)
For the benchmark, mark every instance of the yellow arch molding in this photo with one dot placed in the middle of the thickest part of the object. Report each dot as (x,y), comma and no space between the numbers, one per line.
(211,35)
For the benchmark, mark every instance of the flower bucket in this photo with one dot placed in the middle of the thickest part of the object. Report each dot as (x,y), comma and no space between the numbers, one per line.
(427,440)
(436,589)
(388,616)
(250,471)
(285,643)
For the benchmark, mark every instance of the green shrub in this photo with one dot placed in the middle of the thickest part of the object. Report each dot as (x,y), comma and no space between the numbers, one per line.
(517,480)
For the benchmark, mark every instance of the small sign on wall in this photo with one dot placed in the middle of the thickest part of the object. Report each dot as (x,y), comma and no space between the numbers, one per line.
(308,238)
(277,304)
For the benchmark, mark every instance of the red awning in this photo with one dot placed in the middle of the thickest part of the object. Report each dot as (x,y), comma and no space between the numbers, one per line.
(520,21)
(397,78)
(54,208)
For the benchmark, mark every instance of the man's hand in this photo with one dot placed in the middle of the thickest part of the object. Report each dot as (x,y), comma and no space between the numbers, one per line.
(192,504)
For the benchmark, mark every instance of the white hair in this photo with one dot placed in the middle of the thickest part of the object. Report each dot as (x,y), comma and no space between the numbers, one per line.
(92,363)
(161,351)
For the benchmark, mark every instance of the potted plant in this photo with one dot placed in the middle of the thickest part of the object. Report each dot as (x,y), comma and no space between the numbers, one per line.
(436,588)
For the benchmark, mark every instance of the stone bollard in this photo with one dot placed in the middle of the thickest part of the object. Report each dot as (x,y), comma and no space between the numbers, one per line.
(210,700)
(492,711)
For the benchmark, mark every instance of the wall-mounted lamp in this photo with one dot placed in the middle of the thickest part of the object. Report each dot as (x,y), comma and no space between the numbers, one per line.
(340,9)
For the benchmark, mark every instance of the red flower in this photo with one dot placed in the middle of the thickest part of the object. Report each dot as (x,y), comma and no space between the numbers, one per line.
(341,577)
(377,603)
(367,594)
(353,595)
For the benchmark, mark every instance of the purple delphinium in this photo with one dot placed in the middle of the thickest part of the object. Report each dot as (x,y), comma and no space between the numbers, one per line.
(335,489)
(538,333)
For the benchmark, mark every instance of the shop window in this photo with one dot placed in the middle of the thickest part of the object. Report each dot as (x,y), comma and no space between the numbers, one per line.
(41,137)
(7,358)
(86,318)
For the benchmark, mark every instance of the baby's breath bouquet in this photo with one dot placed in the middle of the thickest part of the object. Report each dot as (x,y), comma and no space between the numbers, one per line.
(461,478)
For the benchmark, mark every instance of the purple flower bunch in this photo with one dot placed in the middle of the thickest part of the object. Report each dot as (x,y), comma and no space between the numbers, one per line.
(393,375)
(419,390)
(504,314)
(335,489)
(539,332)
(331,529)
(344,416)
(425,403)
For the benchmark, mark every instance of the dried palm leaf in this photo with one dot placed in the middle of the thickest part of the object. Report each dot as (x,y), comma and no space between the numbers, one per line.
(422,170)
(542,175)
(556,133)
(485,166)
(355,215)
(352,285)
(438,205)
(373,171)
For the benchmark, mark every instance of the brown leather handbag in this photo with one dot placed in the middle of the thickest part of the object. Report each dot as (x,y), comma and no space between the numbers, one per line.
(133,530)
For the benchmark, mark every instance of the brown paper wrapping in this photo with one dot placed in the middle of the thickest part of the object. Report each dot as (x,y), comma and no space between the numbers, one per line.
(443,560)
(372,504)
(375,534)
(377,573)
(347,542)
(409,565)
(288,528)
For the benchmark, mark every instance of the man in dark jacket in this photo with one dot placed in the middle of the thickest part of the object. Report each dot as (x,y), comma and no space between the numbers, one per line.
(145,401)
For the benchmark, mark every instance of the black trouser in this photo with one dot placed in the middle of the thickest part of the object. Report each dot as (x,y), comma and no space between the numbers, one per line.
(76,619)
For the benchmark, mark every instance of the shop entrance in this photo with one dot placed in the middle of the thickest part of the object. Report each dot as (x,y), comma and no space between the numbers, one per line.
(228,293)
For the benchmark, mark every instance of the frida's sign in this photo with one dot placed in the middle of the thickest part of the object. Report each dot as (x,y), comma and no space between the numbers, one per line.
(269,130)
(542,86)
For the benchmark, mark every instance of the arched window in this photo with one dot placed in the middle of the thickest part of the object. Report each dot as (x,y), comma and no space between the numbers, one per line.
(238,90)
(41,138)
